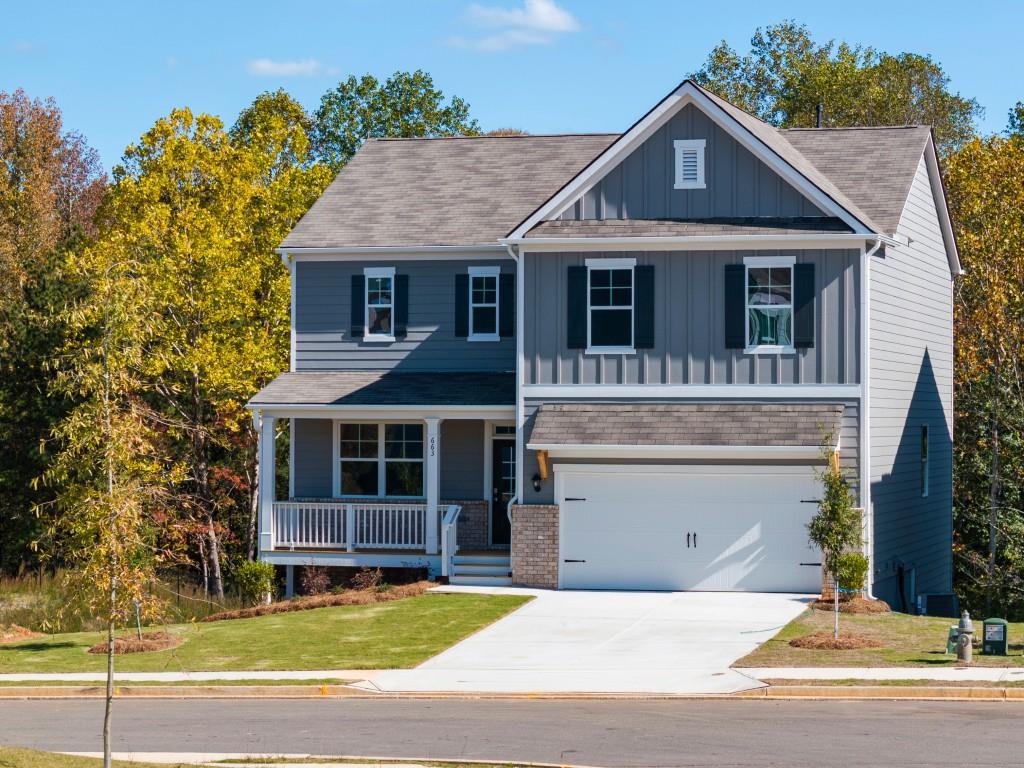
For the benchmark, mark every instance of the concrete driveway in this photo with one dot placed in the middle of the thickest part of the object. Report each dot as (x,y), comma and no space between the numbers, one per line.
(606,642)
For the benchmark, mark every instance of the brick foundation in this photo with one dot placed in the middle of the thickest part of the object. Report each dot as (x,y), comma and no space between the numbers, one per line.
(535,545)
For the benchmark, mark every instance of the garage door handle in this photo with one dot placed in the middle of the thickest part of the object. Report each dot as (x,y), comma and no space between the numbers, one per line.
(574,561)
(816,565)
(573,498)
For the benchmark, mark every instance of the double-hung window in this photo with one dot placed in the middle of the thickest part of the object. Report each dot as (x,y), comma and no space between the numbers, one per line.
(924,461)
(483,303)
(610,305)
(769,304)
(380,303)
(380,459)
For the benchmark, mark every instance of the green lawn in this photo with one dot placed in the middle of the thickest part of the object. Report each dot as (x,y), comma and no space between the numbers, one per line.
(389,635)
(11,757)
(907,641)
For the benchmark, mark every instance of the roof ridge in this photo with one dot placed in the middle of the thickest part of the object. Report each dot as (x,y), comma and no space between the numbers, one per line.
(854,128)
(482,136)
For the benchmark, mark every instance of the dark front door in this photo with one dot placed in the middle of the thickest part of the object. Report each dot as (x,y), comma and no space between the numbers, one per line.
(503,488)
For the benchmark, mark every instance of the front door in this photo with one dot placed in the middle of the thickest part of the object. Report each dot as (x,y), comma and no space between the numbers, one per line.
(503,488)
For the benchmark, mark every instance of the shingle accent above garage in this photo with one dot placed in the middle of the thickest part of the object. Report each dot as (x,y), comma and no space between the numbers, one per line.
(383,388)
(686,424)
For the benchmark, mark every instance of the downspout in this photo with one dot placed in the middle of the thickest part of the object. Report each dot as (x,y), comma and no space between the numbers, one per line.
(865,405)
(520,347)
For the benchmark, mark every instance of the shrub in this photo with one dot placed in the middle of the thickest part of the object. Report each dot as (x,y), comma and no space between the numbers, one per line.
(315,580)
(368,578)
(256,581)
(851,570)
(836,526)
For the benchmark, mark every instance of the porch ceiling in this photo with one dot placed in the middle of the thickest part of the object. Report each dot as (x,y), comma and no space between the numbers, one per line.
(387,388)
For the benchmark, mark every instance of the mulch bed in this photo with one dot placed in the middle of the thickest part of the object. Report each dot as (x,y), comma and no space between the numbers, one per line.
(328,600)
(824,641)
(151,641)
(12,633)
(854,604)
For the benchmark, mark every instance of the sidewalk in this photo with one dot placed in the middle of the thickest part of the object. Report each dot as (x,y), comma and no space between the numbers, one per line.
(945,674)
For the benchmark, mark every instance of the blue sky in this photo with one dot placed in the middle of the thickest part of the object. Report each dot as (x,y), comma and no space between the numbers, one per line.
(540,65)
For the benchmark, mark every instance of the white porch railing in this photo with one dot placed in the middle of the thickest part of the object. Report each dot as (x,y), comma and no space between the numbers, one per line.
(449,538)
(350,525)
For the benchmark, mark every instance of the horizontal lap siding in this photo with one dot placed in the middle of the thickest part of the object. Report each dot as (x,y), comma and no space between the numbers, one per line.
(911,380)
(848,438)
(689,344)
(322,321)
(738,184)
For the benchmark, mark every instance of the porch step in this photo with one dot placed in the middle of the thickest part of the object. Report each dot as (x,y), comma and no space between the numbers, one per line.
(482,569)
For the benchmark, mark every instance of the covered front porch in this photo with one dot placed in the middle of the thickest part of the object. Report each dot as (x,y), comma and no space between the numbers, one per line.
(377,481)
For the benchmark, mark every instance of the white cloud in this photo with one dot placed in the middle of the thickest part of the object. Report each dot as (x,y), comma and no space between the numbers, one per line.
(303,68)
(537,22)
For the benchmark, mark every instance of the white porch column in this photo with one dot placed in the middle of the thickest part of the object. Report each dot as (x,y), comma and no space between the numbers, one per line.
(267,492)
(433,481)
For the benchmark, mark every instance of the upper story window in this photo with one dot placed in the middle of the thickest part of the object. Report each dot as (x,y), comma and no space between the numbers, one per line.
(769,297)
(380,459)
(380,303)
(924,461)
(689,163)
(610,305)
(483,303)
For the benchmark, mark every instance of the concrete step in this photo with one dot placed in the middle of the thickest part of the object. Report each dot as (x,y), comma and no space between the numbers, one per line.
(472,569)
(482,581)
(498,558)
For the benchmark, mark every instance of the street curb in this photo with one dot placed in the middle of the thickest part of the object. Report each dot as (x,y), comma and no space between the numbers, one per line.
(819,692)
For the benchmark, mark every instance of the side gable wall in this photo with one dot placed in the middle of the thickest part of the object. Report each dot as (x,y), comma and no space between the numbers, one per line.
(911,384)
(738,184)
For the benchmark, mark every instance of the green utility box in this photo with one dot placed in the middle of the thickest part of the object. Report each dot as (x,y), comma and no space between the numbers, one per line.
(951,638)
(995,638)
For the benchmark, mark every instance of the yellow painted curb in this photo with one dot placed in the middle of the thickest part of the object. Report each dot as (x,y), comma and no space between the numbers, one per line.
(884,692)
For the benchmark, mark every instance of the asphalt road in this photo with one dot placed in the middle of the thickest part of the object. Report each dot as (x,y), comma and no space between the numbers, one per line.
(597,733)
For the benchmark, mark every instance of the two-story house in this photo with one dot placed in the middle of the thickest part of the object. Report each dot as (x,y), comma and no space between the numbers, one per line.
(611,361)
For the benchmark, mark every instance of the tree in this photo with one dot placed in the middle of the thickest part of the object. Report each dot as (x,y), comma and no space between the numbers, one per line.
(787,74)
(1015,122)
(50,187)
(986,200)
(406,105)
(506,132)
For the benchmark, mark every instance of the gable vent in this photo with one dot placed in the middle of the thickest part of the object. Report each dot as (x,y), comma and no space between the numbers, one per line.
(689,163)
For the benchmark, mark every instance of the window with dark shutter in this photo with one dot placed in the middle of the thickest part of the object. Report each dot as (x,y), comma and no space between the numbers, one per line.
(358,324)
(507,306)
(803,306)
(643,311)
(576,308)
(735,306)
(401,305)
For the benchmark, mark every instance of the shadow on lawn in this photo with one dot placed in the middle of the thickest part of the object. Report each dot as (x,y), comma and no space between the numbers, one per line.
(39,647)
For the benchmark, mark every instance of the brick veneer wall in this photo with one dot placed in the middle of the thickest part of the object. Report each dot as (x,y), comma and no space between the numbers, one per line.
(472,531)
(535,545)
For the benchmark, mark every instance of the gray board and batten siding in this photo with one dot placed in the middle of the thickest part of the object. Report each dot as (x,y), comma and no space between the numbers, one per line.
(323,338)
(911,381)
(462,459)
(849,442)
(689,324)
(737,183)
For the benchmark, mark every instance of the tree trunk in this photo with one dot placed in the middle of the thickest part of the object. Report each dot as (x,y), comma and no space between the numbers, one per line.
(201,467)
(993,517)
(254,510)
(204,563)
(213,553)
(109,704)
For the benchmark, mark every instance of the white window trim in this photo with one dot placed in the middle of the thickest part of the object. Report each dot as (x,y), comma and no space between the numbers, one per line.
(494,272)
(629,264)
(368,272)
(681,146)
(926,460)
(381,460)
(766,261)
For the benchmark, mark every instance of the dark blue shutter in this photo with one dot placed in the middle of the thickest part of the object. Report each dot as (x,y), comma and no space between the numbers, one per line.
(643,306)
(462,305)
(576,308)
(358,306)
(507,305)
(401,305)
(803,306)
(735,306)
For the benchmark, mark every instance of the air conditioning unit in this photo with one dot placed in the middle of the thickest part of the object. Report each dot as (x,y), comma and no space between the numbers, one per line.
(939,604)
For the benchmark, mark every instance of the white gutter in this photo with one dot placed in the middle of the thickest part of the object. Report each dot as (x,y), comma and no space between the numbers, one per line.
(369,250)
(702,242)
(629,451)
(520,352)
(865,410)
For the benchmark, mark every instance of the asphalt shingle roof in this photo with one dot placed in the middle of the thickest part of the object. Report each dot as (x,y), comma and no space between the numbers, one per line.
(760,225)
(769,424)
(387,388)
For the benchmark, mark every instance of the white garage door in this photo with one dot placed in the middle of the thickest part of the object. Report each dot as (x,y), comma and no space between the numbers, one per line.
(723,528)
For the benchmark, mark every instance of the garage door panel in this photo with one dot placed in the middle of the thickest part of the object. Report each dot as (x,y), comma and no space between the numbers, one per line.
(629,529)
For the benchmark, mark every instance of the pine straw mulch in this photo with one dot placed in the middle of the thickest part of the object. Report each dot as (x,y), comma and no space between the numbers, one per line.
(328,600)
(825,641)
(151,641)
(853,604)
(12,633)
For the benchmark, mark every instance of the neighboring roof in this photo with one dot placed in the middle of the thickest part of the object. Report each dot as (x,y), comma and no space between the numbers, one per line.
(383,388)
(756,225)
(874,166)
(689,424)
(450,191)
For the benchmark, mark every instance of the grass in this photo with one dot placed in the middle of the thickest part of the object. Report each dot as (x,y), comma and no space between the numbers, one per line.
(907,641)
(175,684)
(851,681)
(391,635)
(11,757)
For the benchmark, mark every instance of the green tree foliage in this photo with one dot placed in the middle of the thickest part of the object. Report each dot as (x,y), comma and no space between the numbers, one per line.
(406,105)
(836,526)
(1015,122)
(786,74)
(986,202)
